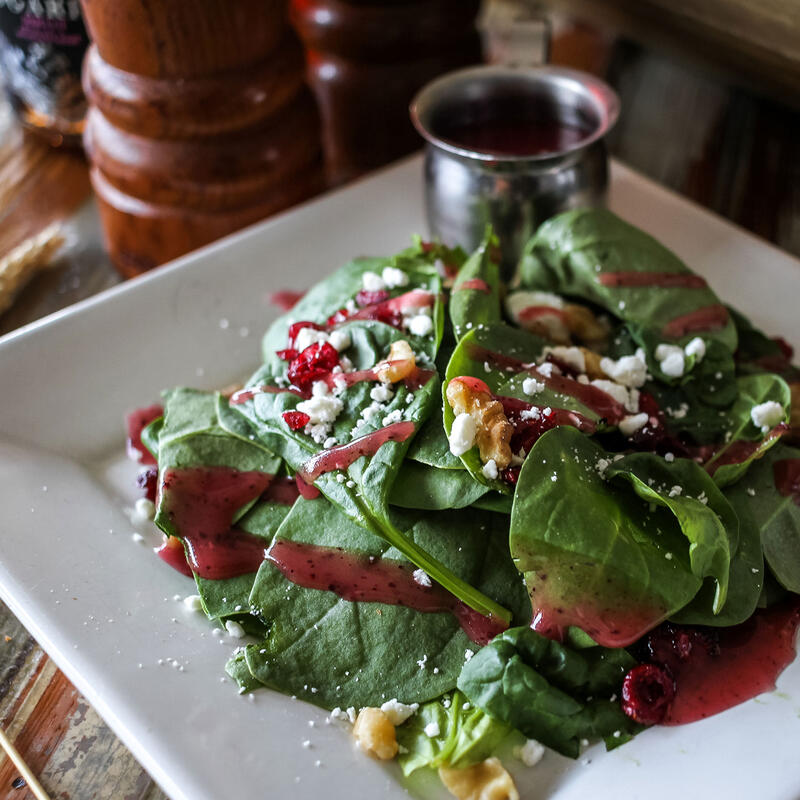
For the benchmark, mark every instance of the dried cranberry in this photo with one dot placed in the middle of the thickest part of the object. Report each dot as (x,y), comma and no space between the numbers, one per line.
(647,692)
(365,298)
(338,317)
(314,363)
(296,419)
(289,354)
(671,644)
(147,479)
(296,327)
(510,475)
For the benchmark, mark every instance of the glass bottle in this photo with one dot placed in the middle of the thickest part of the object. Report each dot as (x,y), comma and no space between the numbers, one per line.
(42,43)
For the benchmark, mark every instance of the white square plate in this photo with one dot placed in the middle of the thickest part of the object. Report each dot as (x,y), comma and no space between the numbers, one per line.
(102,605)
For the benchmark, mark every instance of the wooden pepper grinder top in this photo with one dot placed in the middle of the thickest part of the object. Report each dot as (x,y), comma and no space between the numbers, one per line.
(199,122)
(367,59)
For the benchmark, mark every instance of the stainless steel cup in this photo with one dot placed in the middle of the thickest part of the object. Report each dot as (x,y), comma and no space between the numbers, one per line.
(467,188)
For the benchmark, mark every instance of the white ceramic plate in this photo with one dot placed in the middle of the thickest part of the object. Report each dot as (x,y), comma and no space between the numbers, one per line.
(102,605)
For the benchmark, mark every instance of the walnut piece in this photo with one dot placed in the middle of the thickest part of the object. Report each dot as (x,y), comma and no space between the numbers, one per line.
(494,431)
(375,734)
(584,325)
(485,781)
(398,365)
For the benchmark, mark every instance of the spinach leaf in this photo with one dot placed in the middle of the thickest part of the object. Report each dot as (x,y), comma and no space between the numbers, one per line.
(732,460)
(475,297)
(594,554)
(757,353)
(191,436)
(423,487)
(150,435)
(362,489)
(774,514)
(584,253)
(543,689)
(704,515)
(334,652)
(430,445)
(466,735)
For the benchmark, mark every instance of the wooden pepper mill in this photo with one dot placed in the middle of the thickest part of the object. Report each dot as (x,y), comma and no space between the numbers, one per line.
(200,122)
(366,60)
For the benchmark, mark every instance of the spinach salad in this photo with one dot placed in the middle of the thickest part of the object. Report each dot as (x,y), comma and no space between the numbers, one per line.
(462,513)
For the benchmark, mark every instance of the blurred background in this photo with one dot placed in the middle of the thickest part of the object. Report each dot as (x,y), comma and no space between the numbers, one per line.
(204,116)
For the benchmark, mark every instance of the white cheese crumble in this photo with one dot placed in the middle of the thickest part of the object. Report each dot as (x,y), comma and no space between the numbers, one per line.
(468,654)
(193,602)
(490,470)
(624,396)
(343,717)
(532,386)
(767,415)
(234,629)
(530,753)
(398,712)
(676,491)
(548,369)
(339,339)
(531,414)
(393,416)
(629,425)
(571,356)
(697,348)
(671,360)
(628,370)
(308,336)
(432,729)
(419,325)
(394,277)
(382,393)
(144,509)
(462,434)
(372,282)
(422,578)
(669,457)
(321,408)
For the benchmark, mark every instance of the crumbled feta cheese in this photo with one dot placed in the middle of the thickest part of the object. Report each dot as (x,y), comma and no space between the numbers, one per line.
(432,729)
(234,629)
(419,325)
(393,416)
(629,425)
(548,369)
(462,434)
(308,336)
(398,712)
(532,386)
(517,302)
(339,339)
(669,457)
(628,370)
(144,509)
(616,390)
(571,356)
(331,441)
(490,470)
(321,409)
(320,389)
(676,491)
(422,662)
(319,432)
(671,360)
(382,393)
(697,348)
(394,277)
(584,379)
(531,414)
(422,578)
(193,602)
(767,415)
(468,654)
(530,753)
(372,282)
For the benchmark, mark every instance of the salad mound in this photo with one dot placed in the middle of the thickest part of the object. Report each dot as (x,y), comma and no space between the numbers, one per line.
(463,514)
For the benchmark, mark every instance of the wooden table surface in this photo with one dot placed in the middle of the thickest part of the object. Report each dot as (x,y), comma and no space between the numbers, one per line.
(730,150)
